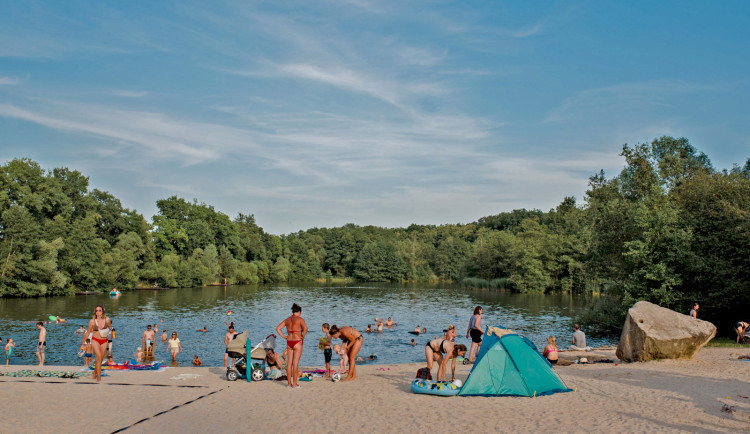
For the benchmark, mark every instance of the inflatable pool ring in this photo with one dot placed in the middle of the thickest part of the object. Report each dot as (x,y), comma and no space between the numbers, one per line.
(52,318)
(439,388)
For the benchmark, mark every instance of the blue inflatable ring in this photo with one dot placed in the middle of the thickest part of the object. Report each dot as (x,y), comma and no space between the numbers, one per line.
(439,388)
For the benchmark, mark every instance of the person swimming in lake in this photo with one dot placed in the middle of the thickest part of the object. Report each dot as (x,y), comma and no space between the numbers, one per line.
(550,351)
(380,326)
(369,328)
(204,329)
(434,351)
(389,323)
(417,330)
(196,361)
(353,340)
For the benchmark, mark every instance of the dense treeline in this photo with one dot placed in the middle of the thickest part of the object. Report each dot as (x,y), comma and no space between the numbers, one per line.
(669,229)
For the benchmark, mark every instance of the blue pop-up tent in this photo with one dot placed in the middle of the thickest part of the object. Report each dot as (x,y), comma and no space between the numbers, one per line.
(509,364)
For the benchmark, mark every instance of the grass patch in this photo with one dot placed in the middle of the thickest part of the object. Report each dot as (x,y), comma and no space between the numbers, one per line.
(725,343)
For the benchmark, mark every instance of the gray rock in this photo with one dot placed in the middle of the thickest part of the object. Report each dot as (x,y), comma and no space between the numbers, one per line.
(653,332)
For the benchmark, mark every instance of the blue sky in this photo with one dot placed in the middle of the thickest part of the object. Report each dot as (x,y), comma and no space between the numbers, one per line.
(321,113)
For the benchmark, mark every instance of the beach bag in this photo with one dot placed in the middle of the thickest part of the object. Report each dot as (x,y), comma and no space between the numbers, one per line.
(424,374)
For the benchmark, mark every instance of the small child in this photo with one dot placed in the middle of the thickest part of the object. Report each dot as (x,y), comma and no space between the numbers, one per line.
(339,349)
(369,328)
(87,354)
(9,350)
(327,353)
(413,343)
(197,361)
(110,360)
(139,355)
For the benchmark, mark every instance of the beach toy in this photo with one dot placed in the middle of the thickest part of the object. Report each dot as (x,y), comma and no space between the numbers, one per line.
(322,342)
(114,334)
(336,377)
(439,388)
(229,312)
(52,318)
(458,383)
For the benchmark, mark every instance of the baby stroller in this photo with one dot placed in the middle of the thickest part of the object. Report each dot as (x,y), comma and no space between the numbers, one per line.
(237,349)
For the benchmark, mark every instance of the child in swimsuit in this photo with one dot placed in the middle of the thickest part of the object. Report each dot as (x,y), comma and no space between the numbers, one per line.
(197,361)
(344,357)
(87,354)
(9,350)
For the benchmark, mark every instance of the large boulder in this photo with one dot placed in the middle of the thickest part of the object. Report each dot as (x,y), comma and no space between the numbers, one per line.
(653,332)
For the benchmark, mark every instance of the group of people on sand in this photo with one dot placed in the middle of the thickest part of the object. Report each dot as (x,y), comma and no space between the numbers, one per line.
(294,329)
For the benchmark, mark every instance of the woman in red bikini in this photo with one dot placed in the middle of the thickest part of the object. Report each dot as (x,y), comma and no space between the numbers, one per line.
(99,328)
(296,329)
(353,340)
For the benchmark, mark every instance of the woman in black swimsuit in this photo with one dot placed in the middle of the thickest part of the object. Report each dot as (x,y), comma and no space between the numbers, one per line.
(434,350)
(353,340)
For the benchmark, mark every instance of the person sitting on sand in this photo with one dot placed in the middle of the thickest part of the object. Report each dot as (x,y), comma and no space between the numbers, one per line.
(353,340)
(550,351)
(197,361)
(274,364)
(740,328)
(579,339)
(433,352)
(204,330)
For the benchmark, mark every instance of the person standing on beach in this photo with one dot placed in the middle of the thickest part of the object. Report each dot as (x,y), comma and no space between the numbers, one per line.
(694,311)
(740,328)
(475,331)
(326,344)
(99,328)
(353,340)
(296,329)
(227,339)
(42,345)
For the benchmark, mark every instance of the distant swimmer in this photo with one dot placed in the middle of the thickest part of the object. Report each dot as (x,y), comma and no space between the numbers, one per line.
(204,329)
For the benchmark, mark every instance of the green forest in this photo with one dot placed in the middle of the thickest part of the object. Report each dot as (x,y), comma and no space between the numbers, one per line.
(669,228)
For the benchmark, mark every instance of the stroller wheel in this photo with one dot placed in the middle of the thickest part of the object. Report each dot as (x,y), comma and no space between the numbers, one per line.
(232,375)
(257,375)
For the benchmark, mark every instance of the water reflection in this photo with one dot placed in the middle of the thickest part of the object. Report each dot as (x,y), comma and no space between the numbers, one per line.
(261,308)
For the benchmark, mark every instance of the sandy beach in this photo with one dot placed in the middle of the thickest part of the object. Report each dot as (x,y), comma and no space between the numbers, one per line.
(670,395)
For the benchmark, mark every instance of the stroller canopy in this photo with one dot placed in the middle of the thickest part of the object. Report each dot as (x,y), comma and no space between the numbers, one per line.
(238,346)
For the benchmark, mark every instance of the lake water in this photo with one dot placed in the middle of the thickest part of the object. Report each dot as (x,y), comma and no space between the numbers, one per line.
(261,308)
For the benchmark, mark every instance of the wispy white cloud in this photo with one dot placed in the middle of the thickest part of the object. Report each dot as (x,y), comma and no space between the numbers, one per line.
(627,96)
(130,93)
(534,30)
(9,81)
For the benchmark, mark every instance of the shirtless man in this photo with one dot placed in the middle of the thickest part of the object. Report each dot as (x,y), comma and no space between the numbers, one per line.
(390,323)
(227,339)
(42,345)
(147,341)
